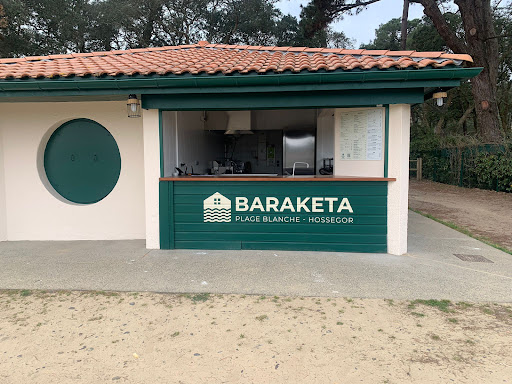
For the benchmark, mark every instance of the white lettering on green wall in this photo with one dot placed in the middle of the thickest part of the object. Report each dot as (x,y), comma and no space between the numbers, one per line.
(345,204)
(241,204)
(274,204)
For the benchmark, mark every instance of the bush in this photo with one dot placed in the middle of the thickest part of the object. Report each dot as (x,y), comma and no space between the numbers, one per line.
(481,166)
(494,171)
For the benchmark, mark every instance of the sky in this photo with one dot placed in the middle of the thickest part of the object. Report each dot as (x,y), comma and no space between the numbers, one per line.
(360,28)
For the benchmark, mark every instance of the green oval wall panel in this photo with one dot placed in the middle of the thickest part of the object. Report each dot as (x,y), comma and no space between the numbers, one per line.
(82,161)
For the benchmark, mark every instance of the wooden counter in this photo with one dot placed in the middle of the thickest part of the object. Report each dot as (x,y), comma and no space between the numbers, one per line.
(276,178)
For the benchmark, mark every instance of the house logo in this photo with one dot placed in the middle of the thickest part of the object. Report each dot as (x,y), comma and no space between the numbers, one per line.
(217,209)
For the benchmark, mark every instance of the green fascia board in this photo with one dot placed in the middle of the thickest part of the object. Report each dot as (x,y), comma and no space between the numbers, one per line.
(278,100)
(74,86)
(27,94)
(312,87)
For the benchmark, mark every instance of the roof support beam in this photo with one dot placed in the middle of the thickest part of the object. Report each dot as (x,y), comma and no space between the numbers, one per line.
(282,100)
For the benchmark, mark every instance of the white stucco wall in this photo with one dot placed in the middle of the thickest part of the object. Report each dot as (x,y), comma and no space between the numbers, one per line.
(398,167)
(151,128)
(3,217)
(32,212)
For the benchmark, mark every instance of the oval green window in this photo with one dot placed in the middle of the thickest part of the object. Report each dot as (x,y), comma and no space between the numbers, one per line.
(82,161)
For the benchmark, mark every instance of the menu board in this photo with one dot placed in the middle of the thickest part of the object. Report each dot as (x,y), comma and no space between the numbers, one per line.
(361,134)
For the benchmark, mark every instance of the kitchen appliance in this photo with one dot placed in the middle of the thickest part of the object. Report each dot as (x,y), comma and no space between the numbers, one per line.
(299,149)
(327,167)
(239,123)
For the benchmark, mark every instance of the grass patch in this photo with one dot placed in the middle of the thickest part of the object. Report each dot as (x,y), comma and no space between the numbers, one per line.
(105,293)
(418,314)
(175,334)
(200,297)
(452,320)
(442,305)
(465,231)
(25,293)
(463,305)
(262,317)
(487,311)
(435,337)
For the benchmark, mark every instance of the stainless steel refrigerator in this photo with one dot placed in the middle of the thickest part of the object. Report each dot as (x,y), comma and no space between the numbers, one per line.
(299,148)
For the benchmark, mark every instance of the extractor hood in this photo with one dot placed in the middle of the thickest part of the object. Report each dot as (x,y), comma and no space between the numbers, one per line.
(239,123)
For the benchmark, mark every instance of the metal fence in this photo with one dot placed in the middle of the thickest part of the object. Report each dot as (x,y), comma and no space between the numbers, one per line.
(485,166)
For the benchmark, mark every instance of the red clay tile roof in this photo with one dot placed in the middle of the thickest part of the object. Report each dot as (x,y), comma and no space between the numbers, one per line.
(218,58)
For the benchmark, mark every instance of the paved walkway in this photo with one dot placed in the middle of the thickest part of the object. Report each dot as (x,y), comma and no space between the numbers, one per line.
(429,270)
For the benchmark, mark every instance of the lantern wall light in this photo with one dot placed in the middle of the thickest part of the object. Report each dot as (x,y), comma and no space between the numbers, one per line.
(439,97)
(133,106)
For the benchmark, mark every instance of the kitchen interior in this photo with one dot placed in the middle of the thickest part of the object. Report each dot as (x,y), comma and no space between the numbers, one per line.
(257,143)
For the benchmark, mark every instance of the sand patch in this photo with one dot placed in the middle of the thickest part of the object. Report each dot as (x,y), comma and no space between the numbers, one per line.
(97,337)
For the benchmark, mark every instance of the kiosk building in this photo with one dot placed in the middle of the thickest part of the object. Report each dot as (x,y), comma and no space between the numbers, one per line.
(215,146)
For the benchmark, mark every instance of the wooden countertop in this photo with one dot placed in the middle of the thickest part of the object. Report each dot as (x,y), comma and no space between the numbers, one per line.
(276,178)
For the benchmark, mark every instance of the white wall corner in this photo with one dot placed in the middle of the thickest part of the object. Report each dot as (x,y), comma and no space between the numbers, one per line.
(398,167)
(151,128)
(3,202)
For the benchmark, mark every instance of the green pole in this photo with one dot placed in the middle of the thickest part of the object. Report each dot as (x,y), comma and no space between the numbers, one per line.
(461,176)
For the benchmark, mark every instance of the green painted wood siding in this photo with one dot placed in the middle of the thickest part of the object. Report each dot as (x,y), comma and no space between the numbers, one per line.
(183,216)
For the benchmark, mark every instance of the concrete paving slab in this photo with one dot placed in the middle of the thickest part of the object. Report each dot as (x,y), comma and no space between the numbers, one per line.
(429,270)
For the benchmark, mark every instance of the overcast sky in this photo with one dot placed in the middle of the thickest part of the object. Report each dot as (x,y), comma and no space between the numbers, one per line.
(360,27)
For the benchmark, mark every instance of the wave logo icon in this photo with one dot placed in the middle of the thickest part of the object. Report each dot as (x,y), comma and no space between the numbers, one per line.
(217,209)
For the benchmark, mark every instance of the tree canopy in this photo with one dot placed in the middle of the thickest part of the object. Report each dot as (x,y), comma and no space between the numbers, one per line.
(42,27)
(30,27)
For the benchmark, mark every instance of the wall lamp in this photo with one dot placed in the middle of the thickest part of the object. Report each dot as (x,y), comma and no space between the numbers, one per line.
(439,97)
(133,106)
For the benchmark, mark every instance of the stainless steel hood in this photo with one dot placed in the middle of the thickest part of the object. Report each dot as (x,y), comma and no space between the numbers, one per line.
(239,123)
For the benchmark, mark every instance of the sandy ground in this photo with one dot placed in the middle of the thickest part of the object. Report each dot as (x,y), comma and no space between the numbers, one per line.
(487,214)
(98,337)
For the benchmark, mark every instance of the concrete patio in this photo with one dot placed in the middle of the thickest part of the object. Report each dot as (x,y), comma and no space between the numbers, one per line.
(429,270)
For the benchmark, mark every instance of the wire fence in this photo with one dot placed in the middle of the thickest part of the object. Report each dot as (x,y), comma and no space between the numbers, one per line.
(486,166)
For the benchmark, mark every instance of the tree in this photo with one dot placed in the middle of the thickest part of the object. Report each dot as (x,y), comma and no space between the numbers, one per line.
(404,23)
(478,39)
(503,26)
(39,27)
(316,16)
(3,20)
(388,35)
(252,22)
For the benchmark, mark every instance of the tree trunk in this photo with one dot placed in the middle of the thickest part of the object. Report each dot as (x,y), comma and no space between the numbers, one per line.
(403,31)
(467,113)
(486,107)
(483,46)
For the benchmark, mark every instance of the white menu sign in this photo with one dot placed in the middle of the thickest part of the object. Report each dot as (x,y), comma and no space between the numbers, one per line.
(361,134)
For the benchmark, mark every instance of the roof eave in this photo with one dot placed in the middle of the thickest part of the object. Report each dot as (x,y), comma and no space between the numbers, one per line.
(377,79)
